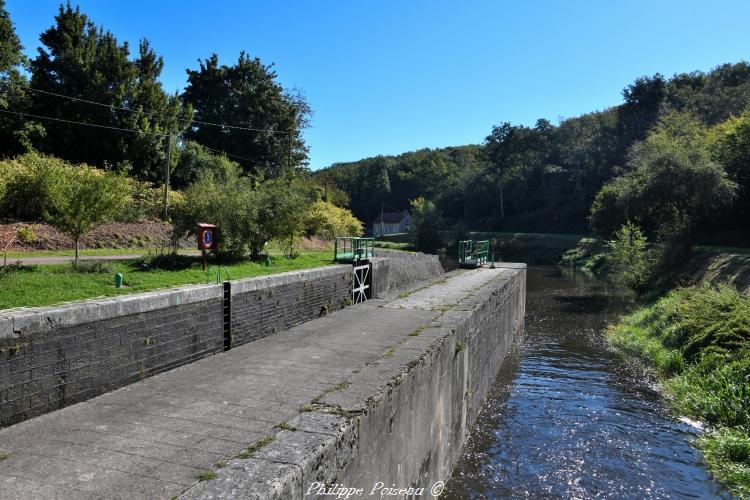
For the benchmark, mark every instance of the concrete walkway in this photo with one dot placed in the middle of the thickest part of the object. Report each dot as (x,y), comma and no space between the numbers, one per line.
(153,439)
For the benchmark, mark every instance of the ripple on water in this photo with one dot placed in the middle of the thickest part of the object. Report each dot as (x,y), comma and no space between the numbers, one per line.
(568,419)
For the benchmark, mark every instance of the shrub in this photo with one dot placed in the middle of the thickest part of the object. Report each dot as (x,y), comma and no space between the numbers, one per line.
(249,213)
(327,221)
(628,258)
(92,267)
(85,198)
(28,184)
(147,202)
(223,198)
(195,160)
(26,234)
(166,261)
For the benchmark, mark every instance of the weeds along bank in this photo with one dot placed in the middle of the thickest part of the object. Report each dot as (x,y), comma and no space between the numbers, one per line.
(698,341)
(704,263)
(695,332)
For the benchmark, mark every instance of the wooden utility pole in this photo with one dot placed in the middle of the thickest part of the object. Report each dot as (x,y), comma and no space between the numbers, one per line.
(289,150)
(382,219)
(166,176)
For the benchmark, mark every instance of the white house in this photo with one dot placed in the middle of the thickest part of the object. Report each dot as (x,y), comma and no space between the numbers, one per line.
(391,222)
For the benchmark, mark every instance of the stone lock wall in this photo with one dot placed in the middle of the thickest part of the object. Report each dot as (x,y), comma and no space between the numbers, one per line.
(54,357)
(396,270)
(51,357)
(401,419)
(264,306)
(413,432)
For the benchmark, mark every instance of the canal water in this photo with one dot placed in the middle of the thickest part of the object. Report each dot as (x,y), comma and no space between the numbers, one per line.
(567,418)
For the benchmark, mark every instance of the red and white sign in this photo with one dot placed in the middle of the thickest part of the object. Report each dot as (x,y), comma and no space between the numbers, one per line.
(206,236)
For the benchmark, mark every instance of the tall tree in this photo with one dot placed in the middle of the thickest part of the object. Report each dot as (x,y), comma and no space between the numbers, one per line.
(643,98)
(79,60)
(731,147)
(672,186)
(13,96)
(247,96)
(507,150)
(156,112)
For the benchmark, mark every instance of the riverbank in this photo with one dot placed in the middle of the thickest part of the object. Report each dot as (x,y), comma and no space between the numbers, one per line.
(695,333)
(568,417)
(697,339)
(712,264)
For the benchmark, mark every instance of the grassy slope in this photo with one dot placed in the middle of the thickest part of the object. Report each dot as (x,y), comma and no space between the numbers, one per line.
(721,264)
(52,284)
(698,341)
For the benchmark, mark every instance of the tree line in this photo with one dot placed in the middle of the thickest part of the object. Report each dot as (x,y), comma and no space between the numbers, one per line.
(84,74)
(673,157)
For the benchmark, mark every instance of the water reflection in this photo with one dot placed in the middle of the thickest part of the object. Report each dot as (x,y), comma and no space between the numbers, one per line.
(567,418)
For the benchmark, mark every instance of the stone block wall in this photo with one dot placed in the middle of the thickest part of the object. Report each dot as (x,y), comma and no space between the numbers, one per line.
(264,306)
(397,270)
(55,356)
(413,431)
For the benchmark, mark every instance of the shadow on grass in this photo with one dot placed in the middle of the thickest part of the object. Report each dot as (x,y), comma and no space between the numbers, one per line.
(166,262)
(14,268)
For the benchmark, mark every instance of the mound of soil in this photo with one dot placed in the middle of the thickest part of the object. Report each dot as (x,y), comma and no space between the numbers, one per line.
(315,243)
(115,235)
(40,236)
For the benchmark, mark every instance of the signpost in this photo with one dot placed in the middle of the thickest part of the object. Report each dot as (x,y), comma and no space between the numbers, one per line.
(206,240)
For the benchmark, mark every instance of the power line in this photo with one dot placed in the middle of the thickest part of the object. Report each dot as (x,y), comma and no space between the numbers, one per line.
(152,114)
(22,115)
(225,153)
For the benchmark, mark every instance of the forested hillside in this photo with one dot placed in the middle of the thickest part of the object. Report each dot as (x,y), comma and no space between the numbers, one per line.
(545,178)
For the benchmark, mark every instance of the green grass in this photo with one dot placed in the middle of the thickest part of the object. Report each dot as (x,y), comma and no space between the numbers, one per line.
(90,252)
(284,426)
(723,249)
(206,475)
(418,331)
(588,255)
(40,285)
(256,446)
(698,341)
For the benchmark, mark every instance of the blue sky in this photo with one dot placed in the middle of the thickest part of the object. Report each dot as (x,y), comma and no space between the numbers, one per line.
(384,77)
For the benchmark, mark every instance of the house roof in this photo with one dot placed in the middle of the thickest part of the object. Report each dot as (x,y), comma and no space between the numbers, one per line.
(391,217)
